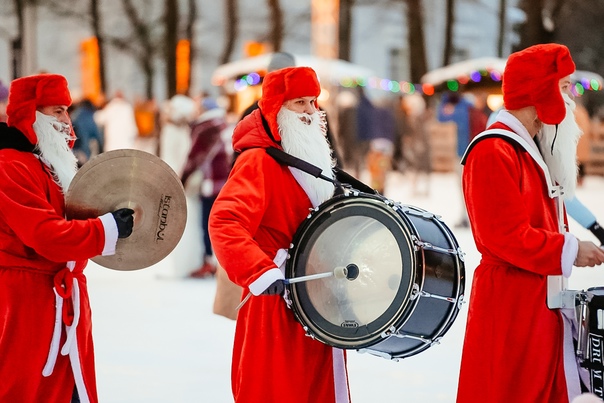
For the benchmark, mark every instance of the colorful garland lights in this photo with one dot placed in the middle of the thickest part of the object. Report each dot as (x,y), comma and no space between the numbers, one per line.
(406,87)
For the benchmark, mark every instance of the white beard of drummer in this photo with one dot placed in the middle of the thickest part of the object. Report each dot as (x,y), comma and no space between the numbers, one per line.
(304,136)
(562,162)
(53,144)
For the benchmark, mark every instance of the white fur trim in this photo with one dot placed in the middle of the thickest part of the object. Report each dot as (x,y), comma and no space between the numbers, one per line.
(111,234)
(569,253)
(76,367)
(56,334)
(56,337)
(265,280)
(340,377)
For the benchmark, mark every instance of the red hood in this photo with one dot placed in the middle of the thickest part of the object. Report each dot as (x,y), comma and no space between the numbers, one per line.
(249,133)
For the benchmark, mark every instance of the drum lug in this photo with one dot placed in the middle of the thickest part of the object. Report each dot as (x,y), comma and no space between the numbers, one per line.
(461,255)
(311,211)
(387,333)
(414,292)
(377,353)
(308,332)
(460,301)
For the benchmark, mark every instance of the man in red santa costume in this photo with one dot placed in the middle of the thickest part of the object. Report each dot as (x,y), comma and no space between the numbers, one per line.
(46,352)
(516,348)
(252,223)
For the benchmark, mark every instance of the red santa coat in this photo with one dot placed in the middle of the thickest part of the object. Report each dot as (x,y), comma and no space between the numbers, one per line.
(258,212)
(35,244)
(513,347)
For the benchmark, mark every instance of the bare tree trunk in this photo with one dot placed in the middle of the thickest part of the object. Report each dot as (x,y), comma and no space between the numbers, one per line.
(96,29)
(533,31)
(17,43)
(276,34)
(232,29)
(142,35)
(449,24)
(170,42)
(502,27)
(415,36)
(345,29)
(190,33)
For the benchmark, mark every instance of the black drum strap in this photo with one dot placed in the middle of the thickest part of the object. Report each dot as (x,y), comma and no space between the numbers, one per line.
(341,177)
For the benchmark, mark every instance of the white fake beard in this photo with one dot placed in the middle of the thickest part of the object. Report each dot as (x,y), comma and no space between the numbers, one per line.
(53,137)
(562,162)
(308,142)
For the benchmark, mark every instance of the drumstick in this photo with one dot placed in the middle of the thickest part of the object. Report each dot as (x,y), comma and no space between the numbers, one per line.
(349,272)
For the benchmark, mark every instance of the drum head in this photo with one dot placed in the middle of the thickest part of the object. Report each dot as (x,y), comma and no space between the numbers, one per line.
(349,232)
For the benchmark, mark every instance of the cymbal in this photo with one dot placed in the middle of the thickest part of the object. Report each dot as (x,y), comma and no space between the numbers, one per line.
(138,180)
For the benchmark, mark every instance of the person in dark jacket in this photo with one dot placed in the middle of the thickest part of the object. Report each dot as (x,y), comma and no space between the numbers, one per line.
(88,142)
(210,155)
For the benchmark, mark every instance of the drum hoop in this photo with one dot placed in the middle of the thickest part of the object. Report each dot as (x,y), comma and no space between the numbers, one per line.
(400,314)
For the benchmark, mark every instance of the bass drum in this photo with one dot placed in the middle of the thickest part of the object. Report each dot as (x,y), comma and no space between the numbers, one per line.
(405,279)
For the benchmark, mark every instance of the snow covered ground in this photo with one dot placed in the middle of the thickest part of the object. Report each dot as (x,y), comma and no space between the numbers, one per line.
(157,340)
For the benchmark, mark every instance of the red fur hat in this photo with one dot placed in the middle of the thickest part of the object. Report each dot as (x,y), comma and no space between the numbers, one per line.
(26,94)
(282,85)
(531,78)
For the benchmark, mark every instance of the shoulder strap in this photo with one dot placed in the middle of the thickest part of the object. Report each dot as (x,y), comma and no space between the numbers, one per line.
(511,137)
(284,158)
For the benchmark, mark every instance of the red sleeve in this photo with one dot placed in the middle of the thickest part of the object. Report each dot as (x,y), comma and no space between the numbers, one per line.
(237,214)
(25,208)
(509,208)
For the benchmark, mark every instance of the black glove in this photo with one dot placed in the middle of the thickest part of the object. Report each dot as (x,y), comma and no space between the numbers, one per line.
(125,222)
(598,231)
(276,288)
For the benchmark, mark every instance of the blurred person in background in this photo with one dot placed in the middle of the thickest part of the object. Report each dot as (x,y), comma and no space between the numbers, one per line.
(456,108)
(88,143)
(3,101)
(175,134)
(209,154)
(117,121)
(416,148)
(46,348)
(378,159)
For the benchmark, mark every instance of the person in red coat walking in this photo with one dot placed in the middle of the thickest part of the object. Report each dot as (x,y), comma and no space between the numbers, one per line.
(516,347)
(46,351)
(252,224)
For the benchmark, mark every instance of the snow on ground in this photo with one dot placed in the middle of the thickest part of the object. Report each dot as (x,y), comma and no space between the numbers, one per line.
(157,340)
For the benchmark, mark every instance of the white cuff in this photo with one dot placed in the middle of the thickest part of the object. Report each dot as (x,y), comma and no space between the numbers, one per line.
(569,253)
(266,279)
(110,227)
